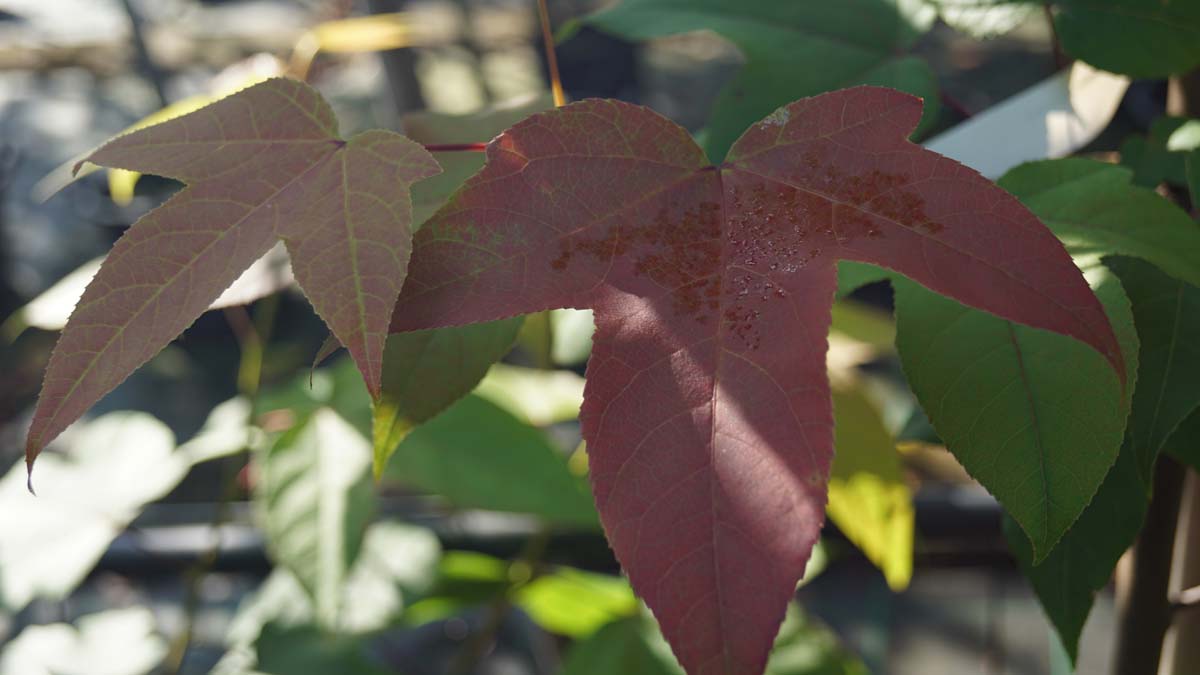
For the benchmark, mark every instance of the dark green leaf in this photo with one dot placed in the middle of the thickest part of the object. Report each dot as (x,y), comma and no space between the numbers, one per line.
(854,41)
(1184,444)
(307,650)
(627,646)
(1140,38)
(1167,313)
(1066,581)
(1152,162)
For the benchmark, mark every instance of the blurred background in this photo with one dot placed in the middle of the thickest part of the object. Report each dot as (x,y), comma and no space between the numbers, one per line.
(166,539)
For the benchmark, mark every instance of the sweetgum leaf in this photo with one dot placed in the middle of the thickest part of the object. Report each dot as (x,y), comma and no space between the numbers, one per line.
(261,165)
(707,410)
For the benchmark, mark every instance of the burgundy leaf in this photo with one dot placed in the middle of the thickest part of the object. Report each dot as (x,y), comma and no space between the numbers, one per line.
(707,410)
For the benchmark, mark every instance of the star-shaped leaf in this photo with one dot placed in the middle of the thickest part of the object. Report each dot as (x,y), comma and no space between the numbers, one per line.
(707,410)
(261,165)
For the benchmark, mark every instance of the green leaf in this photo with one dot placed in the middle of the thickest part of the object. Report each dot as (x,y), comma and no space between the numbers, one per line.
(1150,158)
(477,455)
(424,372)
(317,499)
(805,647)
(1067,579)
(1167,313)
(338,387)
(630,645)
(854,41)
(1140,38)
(574,603)
(1036,417)
(534,396)
(398,562)
(1184,444)
(464,579)
(1065,416)
(1186,139)
(114,642)
(1095,210)
(111,468)
(307,650)
(634,645)
(868,498)
(226,431)
(573,330)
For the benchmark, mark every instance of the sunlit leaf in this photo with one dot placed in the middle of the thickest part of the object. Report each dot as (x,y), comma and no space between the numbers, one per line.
(707,413)
(316,500)
(868,498)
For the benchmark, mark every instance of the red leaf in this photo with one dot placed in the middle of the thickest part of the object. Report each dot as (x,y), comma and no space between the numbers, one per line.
(707,409)
(263,164)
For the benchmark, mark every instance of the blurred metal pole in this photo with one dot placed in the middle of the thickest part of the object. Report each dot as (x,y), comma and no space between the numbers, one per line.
(1143,611)
(1181,651)
(400,65)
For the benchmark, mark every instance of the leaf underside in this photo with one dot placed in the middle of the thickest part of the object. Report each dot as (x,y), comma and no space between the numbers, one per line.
(707,410)
(262,165)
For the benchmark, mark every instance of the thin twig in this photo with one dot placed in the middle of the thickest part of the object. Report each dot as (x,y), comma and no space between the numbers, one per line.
(560,98)
(1060,57)
(457,147)
(252,334)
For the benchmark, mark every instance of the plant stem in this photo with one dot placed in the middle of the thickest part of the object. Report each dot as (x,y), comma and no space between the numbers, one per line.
(457,147)
(1144,611)
(252,334)
(560,98)
(1061,60)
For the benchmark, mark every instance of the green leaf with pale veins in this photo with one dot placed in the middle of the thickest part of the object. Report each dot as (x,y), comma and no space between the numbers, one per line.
(1036,417)
(317,499)
(854,41)
(1167,314)
(1072,415)
(261,165)
(1095,210)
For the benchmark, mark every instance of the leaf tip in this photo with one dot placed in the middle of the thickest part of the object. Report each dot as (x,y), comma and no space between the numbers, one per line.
(29,474)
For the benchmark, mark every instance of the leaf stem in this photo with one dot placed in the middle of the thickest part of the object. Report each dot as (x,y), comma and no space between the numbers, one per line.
(560,98)
(457,147)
